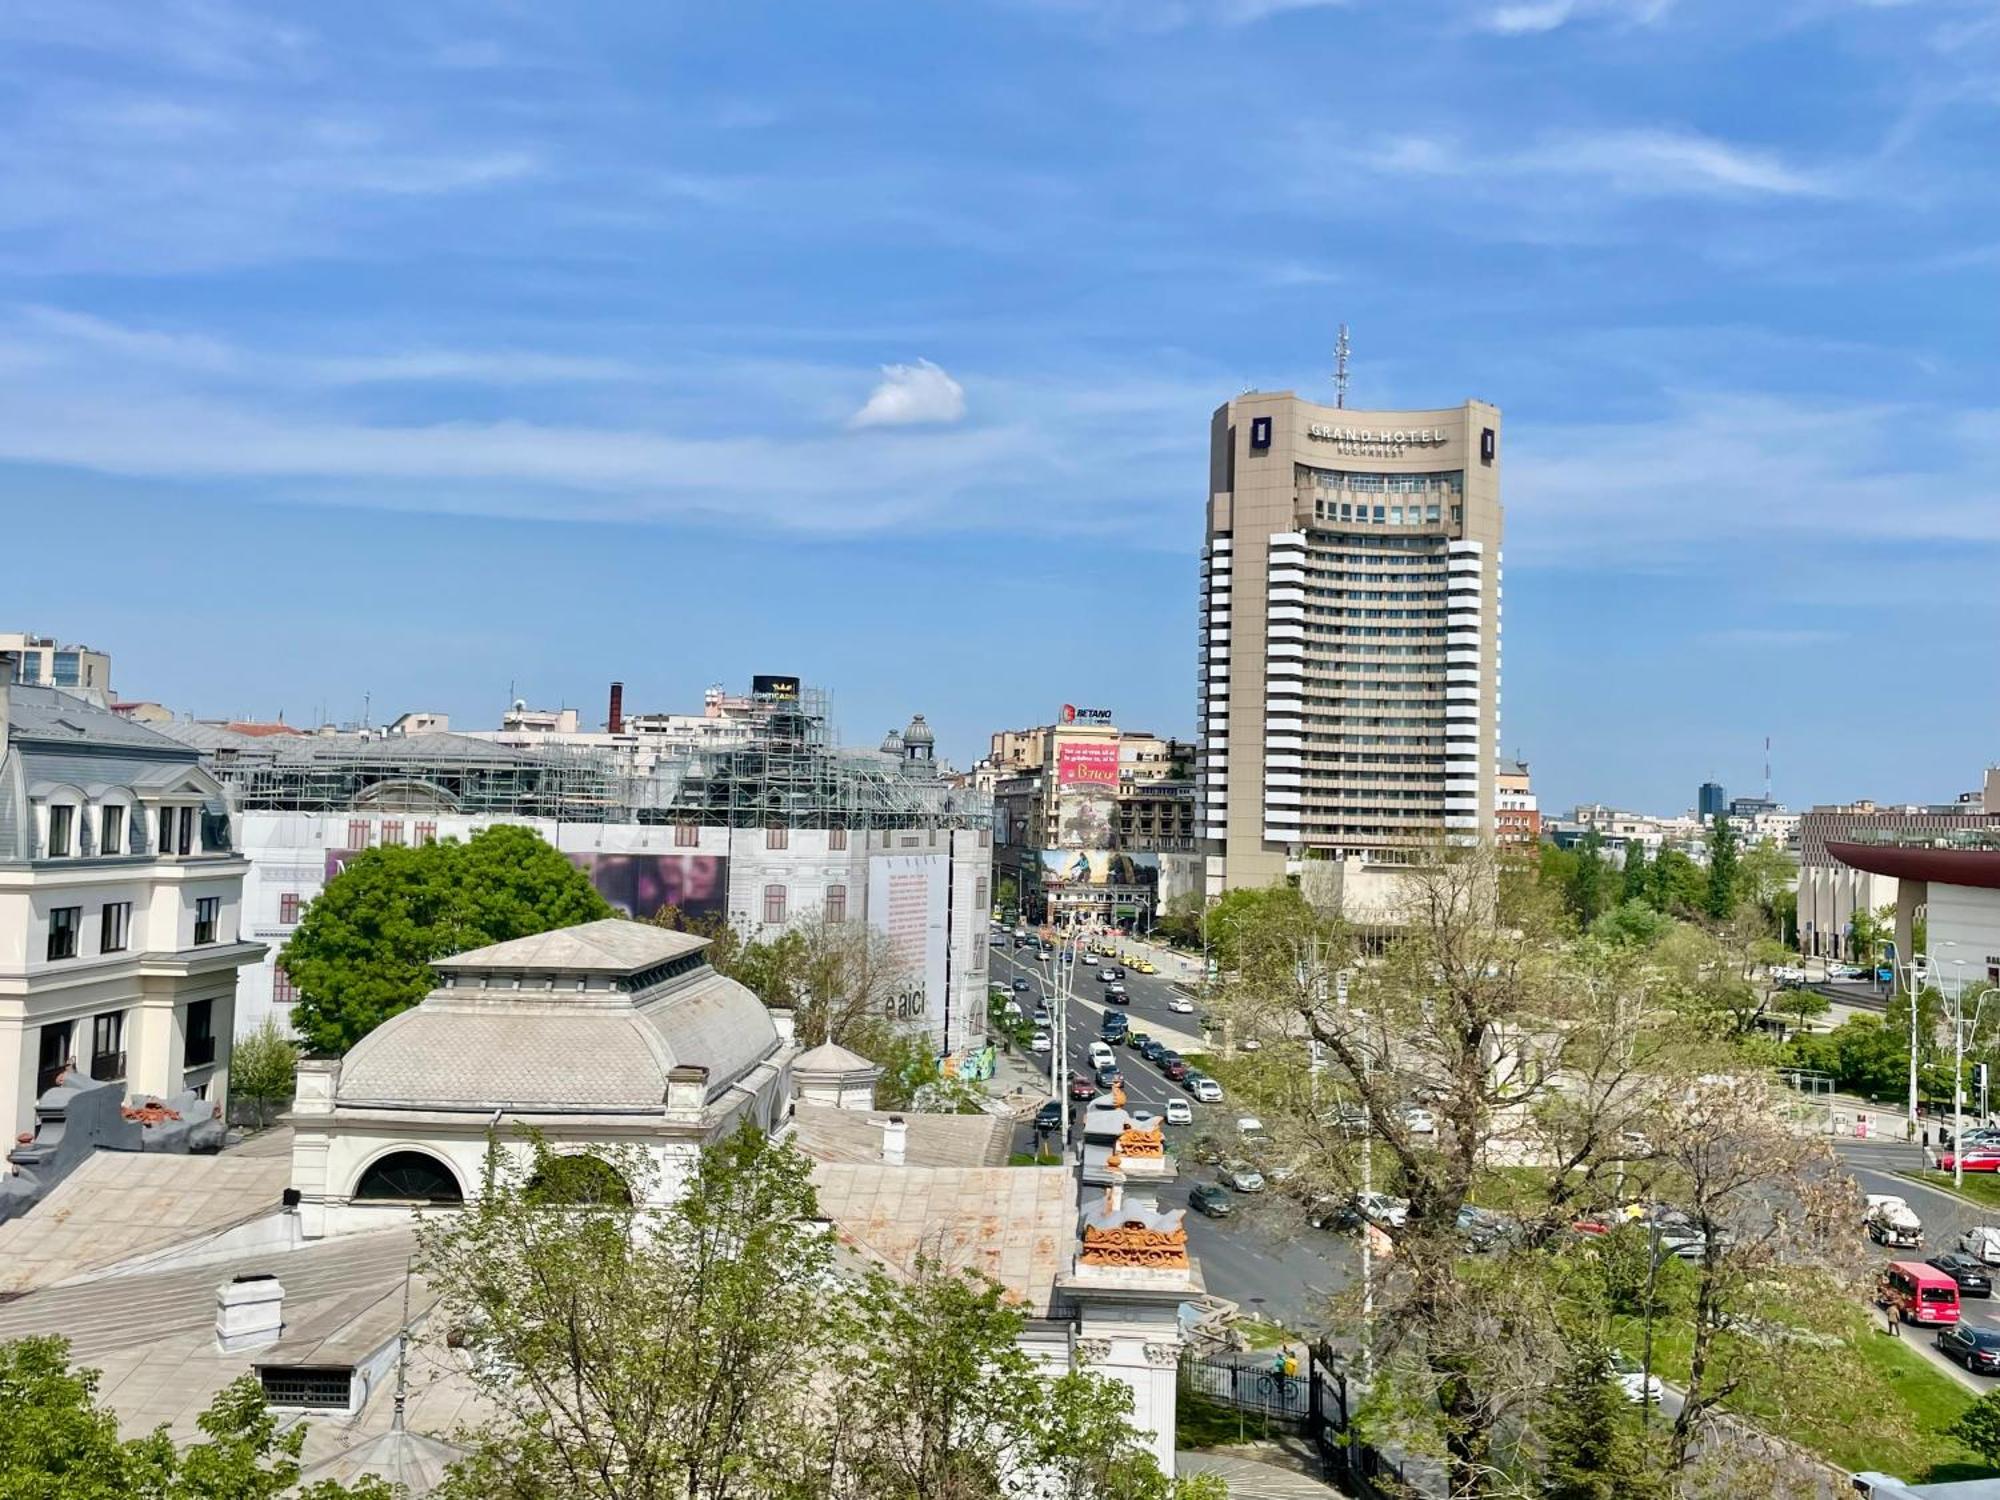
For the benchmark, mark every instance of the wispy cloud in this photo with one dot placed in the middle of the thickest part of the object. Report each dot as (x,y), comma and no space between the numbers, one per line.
(1631,163)
(1525,17)
(912,395)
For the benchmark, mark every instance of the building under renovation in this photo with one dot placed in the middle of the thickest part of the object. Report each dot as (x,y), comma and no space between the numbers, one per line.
(770,825)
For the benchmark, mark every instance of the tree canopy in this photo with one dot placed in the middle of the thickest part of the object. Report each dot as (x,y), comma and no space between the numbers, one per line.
(360,953)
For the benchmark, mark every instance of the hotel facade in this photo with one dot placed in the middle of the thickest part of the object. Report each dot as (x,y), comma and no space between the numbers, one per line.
(1349,699)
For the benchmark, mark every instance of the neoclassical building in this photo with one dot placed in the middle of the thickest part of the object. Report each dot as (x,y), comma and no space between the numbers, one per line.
(613,1035)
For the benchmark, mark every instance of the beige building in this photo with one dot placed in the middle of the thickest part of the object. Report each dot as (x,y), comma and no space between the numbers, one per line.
(41,661)
(1350,639)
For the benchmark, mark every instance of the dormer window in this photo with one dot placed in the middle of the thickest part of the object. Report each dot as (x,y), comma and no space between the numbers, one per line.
(111,830)
(62,830)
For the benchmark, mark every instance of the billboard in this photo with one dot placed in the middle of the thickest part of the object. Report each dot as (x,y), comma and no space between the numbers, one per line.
(639,885)
(1081,762)
(1071,714)
(909,901)
(764,685)
(1086,818)
(1099,868)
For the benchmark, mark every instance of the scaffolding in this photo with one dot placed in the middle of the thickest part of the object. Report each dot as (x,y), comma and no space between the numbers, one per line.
(781,769)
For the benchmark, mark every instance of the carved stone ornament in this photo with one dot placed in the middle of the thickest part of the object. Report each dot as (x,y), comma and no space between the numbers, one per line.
(1091,1351)
(1134,1244)
(1136,1142)
(1162,1356)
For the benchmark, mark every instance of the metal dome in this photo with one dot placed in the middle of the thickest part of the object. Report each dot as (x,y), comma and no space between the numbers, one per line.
(892,743)
(919,733)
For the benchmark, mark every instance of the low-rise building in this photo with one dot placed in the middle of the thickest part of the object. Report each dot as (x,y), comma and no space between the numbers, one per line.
(120,894)
(42,661)
(1517,817)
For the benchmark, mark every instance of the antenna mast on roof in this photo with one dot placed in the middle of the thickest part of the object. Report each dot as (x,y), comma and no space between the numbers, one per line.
(1340,350)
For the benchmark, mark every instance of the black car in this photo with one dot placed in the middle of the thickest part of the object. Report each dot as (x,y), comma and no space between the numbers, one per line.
(1972,1277)
(1116,995)
(1049,1116)
(1020,986)
(1152,1049)
(1978,1349)
(1116,1027)
(1119,970)
(1209,1198)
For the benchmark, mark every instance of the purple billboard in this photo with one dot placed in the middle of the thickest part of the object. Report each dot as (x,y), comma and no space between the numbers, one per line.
(641,884)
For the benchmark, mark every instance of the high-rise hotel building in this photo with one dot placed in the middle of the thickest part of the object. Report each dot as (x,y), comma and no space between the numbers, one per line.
(1350,639)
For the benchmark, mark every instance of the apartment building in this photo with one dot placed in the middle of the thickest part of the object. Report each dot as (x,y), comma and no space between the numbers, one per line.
(42,661)
(119,902)
(1517,817)
(1350,639)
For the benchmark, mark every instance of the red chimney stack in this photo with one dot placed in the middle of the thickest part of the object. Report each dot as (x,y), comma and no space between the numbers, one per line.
(617,725)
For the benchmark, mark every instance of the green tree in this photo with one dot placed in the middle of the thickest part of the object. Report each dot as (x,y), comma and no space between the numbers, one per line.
(1592,1449)
(1180,923)
(1633,924)
(57,1443)
(1978,1427)
(362,952)
(1638,884)
(1007,895)
(1869,935)
(1679,885)
(1722,869)
(263,1068)
(938,1401)
(1590,887)
(725,943)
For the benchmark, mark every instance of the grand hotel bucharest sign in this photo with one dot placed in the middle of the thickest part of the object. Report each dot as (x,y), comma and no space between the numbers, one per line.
(1359,442)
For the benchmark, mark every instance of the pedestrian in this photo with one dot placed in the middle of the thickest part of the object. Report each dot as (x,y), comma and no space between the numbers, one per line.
(1895,1323)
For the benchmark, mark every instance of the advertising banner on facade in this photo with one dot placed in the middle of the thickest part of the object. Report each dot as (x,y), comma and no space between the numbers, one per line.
(1087,763)
(1099,867)
(1086,818)
(640,885)
(909,901)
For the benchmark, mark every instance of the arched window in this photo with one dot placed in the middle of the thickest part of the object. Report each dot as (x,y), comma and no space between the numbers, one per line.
(577,1179)
(406,1176)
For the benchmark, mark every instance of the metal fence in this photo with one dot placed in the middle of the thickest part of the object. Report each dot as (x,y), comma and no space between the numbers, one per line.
(1250,1384)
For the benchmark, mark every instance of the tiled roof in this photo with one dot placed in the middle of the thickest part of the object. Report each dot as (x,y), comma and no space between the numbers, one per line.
(855,1136)
(610,946)
(52,716)
(1016,1224)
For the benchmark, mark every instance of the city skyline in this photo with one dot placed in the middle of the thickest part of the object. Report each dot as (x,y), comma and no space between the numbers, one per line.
(418,356)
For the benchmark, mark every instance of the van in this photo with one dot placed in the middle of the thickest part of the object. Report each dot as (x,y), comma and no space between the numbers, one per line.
(1101,1056)
(1919,1293)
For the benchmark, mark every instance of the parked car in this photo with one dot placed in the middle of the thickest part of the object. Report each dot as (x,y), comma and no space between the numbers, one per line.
(1964,1269)
(1250,1130)
(1179,1112)
(1174,1066)
(1241,1176)
(1049,1116)
(1209,1198)
(1479,1229)
(1204,1088)
(1382,1209)
(1145,966)
(1978,1349)
(1039,1042)
(1976,1159)
(1249,1044)
(1982,1242)
(1180,1005)
(1638,1386)
(1419,1121)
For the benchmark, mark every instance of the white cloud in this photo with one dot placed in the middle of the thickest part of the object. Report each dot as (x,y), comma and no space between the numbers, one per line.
(1631,163)
(912,395)
(1530,17)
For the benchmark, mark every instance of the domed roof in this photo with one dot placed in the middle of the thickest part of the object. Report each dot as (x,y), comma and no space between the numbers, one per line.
(919,733)
(586,1018)
(892,743)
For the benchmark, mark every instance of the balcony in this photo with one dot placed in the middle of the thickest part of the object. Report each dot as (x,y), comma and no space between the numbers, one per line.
(107,1067)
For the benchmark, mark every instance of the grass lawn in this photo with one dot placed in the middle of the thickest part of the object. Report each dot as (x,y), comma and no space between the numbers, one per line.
(1980,1187)
(1029,1159)
(1202,1423)
(1874,1404)
(1261,1334)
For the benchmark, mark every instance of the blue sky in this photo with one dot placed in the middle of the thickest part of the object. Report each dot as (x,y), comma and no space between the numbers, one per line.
(417,351)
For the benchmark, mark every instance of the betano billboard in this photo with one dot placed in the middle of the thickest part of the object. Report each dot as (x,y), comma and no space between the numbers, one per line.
(909,900)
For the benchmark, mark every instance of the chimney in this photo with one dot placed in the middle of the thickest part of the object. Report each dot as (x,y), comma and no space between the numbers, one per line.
(9,663)
(895,1140)
(249,1312)
(1114,1197)
(616,723)
(687,1089)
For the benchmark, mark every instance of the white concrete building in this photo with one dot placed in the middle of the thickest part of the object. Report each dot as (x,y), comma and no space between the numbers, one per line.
(119,904)
(611,1034)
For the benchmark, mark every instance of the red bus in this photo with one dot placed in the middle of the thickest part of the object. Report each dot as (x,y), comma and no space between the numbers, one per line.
(1919,1293)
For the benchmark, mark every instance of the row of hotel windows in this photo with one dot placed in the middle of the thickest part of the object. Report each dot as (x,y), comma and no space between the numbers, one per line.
(180,832)
(114,929)
(55,1052)
(1379,515)
(1443,481)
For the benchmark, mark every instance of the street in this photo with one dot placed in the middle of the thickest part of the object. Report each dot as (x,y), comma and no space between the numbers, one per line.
(1262,1257)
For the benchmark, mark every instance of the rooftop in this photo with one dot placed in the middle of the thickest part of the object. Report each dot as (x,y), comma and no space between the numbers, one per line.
(855,1136)
(609,946)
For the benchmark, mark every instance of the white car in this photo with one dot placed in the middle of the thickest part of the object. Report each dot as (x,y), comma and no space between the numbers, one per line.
(1179,1112)
(1107,975)
(1633,1380)
(1393,1213)
(1983,1241)
(1039,1042)
(1101,1056)
(1419,1121)
(1207,1090)
(1241,1176)
(1250,1128)
(1249,1044)
(1180,1005)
